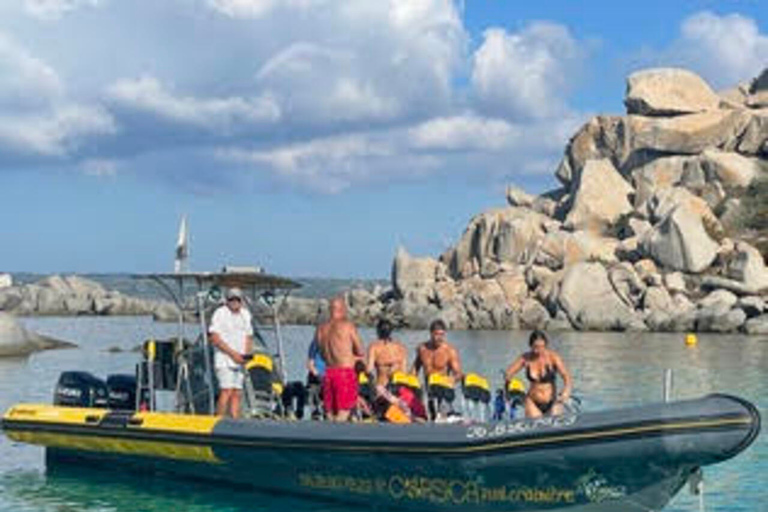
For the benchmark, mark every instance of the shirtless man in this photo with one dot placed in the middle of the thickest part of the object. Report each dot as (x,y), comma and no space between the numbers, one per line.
(385,355)
(437,355)
(340,346)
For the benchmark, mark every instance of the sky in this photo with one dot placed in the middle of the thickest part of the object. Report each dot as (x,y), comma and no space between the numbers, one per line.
(311,137)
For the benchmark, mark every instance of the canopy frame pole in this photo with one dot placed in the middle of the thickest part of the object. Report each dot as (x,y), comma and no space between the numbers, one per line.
(206,353)
(279,335)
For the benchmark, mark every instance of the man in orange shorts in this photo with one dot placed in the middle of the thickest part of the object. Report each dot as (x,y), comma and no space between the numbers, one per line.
(341,347)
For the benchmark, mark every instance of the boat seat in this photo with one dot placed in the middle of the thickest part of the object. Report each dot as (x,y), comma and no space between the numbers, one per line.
(440,394)
(476,392)
(262,389)
(404,380)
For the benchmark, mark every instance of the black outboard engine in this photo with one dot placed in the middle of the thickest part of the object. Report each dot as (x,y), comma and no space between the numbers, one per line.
(121,391)
(80,389)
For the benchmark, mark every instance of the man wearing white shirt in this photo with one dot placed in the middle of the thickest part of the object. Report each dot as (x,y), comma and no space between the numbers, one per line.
(231,334)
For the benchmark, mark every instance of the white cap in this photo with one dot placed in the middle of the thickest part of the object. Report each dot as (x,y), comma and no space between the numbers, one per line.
(234,293)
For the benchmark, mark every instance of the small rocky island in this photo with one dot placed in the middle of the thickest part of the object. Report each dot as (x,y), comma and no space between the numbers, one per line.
(660,224)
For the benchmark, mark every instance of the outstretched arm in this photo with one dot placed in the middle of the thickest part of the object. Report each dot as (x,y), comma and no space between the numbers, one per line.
(369,364)
(357,343)
(455,363)
(513,368)
(567,380)
(403,361)
(417,364)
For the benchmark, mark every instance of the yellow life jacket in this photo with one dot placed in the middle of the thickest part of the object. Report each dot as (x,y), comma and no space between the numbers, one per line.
(405,379)
(440,380)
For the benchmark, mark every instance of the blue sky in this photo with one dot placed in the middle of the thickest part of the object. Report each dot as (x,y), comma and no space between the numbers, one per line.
(311,137)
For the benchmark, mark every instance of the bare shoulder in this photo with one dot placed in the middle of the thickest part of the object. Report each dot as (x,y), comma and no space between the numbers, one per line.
(555,357)
(348,325)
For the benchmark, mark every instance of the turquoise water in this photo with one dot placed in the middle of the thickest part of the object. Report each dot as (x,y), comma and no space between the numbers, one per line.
(610,370)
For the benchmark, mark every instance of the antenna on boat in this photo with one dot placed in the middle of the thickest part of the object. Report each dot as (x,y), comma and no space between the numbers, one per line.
(182,247)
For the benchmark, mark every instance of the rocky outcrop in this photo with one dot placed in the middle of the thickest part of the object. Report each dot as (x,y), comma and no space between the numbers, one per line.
(634,239)
(680,242)
(668,92)
(589,299)
(75,295)
(600,197)
(16,341)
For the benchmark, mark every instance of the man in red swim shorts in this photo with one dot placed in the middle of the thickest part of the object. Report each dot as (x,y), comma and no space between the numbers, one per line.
(341,347)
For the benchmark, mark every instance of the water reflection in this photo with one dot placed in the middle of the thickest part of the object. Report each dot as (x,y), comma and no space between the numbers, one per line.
(85,489)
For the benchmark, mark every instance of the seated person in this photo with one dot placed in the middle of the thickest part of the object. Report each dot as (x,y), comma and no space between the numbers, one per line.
(409,395)
(366,392)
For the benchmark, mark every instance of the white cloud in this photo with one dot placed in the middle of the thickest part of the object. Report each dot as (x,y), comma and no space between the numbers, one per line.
(55,9)
(369,61)
(99,167)
(466,132)
(318,94)
(37,117)
(54,133)
(328,165)
(319,84)
(25,81)
(526,75)
(723,49)
(463,143)
(257,8)
(149,95)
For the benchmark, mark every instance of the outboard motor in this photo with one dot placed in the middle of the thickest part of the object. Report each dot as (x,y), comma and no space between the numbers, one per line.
(80,389)
(121,391)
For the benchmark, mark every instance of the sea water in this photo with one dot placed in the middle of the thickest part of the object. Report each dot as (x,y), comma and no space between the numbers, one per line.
(610,370)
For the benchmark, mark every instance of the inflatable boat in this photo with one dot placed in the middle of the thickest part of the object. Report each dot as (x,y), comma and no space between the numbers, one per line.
(632,459)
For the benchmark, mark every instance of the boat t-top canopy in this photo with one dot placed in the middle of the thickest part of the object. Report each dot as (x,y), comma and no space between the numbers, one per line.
(253,281)
(250,280)
(204,288)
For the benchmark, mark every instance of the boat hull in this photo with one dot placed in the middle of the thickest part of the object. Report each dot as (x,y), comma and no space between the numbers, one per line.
(635,459)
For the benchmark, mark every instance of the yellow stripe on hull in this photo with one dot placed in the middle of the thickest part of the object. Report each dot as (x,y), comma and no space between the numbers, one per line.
(40,413)
(163,421)
(177,423)
(140,422)
(112,445)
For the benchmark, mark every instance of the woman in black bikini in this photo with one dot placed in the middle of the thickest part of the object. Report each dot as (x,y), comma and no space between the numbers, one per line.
(541,367)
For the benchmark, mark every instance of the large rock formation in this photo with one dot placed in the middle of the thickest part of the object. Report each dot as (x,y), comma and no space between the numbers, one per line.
(590,300)
(668,92)
(636,236)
